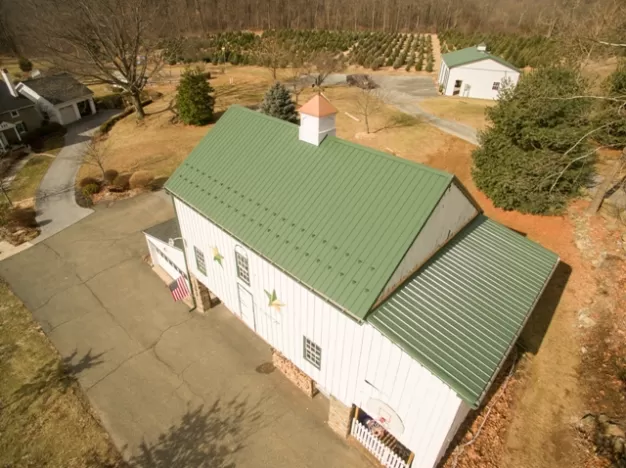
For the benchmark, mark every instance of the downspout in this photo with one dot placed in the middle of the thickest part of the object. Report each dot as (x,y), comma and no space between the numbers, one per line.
(193,297)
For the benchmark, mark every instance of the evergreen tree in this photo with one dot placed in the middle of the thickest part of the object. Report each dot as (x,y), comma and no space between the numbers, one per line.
(194,99)
(278,103)
(610,115)
(532,158)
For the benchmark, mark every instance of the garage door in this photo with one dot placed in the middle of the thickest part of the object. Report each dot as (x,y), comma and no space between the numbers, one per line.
(67,114)
(164,262)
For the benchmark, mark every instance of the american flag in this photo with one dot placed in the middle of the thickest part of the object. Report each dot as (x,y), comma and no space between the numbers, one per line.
(179,288)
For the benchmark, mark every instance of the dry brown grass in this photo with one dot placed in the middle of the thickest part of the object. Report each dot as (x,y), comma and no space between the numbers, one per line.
(45,418)
(464,110)
(159,145)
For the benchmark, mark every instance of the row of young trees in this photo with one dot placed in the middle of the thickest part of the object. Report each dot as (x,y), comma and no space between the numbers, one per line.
(409,51)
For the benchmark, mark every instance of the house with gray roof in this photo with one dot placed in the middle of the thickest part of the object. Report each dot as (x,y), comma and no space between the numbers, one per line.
(378,282)
(18,115)
(60,98)
(475,73)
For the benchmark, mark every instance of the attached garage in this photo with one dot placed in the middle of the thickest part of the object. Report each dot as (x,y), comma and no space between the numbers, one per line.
(68,114)
(166,250)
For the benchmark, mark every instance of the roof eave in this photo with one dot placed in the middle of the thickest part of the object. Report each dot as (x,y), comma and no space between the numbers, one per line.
(477,403)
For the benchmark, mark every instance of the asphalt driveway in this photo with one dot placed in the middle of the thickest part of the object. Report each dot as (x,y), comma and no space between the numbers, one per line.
(56,204)
(173,388)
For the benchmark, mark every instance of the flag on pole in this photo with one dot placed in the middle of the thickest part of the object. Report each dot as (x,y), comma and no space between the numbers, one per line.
(179,288)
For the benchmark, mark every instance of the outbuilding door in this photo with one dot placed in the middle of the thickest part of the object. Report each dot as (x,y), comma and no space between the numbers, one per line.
(67,114)
(246,306)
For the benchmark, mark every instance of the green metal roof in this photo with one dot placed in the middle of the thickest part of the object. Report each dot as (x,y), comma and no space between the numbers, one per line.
(471,55)
(462,311)
(339,217)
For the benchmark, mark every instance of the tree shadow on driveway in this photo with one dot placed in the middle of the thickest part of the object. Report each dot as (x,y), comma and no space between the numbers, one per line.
(205,437)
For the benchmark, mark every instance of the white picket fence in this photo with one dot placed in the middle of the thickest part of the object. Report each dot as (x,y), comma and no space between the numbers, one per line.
(383,454)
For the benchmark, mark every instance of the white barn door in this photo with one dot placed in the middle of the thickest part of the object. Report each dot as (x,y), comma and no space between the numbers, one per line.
(246,306)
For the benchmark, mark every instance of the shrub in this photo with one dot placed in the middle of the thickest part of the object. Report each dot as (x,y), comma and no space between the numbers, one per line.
(90,189)
(88,181)
(194,99)
(121,182)
(140,179)
(109,101)
(110,175)
(25,64)
(23,217)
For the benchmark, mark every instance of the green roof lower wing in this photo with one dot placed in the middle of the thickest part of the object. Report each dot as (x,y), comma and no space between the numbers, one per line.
(461,313)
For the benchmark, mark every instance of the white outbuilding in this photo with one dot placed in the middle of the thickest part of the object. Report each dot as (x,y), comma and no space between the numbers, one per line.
(475,73)
(377,282)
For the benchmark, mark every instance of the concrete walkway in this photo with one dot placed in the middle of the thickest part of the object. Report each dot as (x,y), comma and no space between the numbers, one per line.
(56,204)
(173,388)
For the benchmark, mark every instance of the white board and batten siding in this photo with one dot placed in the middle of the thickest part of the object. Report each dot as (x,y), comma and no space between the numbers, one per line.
(176,256)
(480,76)
(452,213)
(358,363)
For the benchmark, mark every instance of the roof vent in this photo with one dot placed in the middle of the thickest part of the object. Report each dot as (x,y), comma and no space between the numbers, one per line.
(482,47)
(317,119)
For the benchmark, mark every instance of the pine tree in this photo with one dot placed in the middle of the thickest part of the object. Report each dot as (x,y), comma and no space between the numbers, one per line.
(532,157)
(194,99)
(278,103)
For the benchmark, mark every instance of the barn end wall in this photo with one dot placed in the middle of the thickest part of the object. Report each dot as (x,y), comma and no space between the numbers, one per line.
(480,76)
(358,363)
(452,213)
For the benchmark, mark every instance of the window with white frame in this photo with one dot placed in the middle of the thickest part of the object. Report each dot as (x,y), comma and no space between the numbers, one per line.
(312,352)
(495,86)
(15,113)
(243,271)
(200,263)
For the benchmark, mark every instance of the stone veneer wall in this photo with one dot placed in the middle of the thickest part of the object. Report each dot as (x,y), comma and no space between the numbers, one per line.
(293,373)
(201,294)
(340,417)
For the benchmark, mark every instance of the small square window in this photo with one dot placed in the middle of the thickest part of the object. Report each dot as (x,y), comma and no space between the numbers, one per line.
(20,127)
(15,113)
(243,271)
(200,264)
(312,352)
(458,83)
(496,86)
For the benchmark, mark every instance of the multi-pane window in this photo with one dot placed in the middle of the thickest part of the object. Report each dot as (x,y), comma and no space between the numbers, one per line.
(243,272)
(312,352)
(200,264)
(495,86)
(20,127)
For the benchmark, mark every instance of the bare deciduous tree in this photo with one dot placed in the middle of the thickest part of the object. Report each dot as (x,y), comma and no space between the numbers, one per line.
(96,155)
(368,103)
(104,41)
(325,64)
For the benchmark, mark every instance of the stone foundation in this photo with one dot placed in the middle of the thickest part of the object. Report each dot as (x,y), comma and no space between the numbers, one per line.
(293,373)
(204,299)
(340,417)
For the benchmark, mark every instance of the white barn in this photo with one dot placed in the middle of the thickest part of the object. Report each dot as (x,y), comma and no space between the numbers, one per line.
(473,72)
(377,281)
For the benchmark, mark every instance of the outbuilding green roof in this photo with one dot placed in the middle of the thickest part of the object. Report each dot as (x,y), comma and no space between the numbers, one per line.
(339,217)
(461,313)
(471,55)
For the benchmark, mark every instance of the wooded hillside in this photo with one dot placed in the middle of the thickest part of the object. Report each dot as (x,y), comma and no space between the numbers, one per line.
(541,17)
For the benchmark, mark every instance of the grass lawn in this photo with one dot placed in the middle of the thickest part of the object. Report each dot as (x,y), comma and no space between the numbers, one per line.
(467,111)
(27,180)
(45,419)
